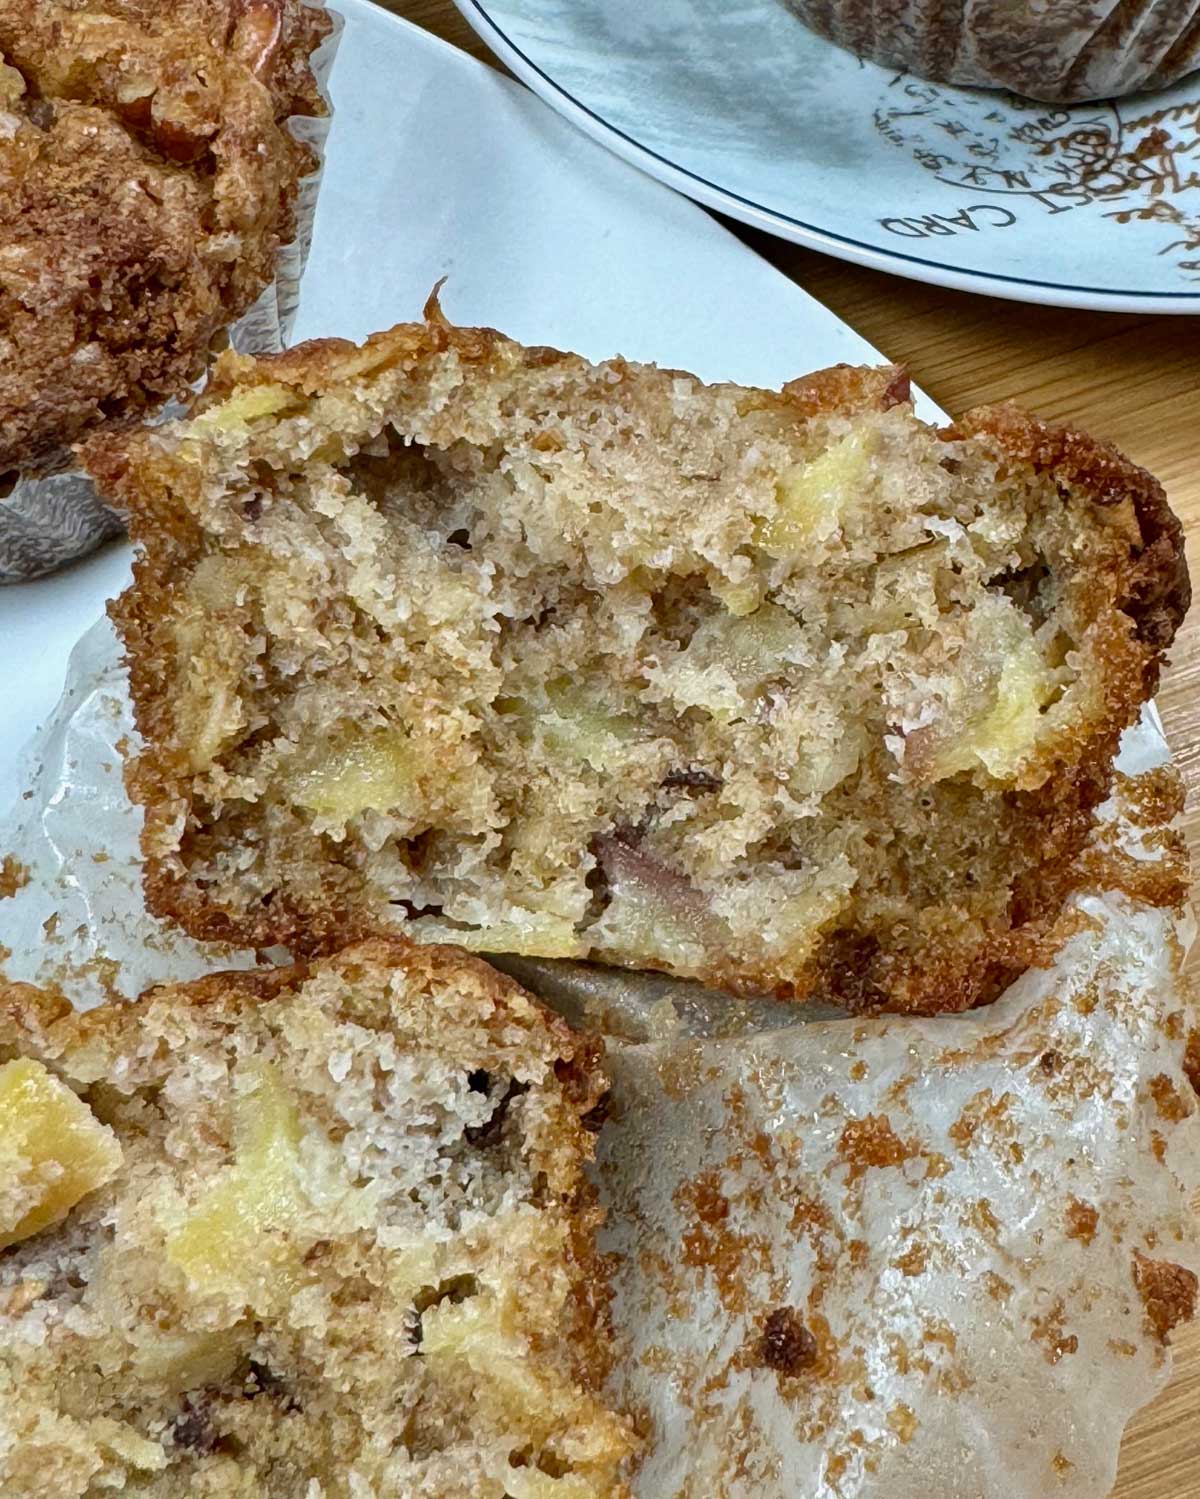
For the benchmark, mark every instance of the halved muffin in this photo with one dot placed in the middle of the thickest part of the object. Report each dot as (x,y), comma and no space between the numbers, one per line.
(785,691)
(314,1231)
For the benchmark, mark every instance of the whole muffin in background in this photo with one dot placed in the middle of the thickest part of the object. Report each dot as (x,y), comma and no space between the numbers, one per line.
(148,180)
(1059,50)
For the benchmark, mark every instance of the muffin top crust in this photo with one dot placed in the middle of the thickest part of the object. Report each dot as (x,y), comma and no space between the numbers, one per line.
(147,180)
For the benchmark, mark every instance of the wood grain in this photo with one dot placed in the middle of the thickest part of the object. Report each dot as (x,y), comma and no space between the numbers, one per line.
(1133,379)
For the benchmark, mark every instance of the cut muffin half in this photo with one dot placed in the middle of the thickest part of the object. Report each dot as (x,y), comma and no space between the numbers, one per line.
(320,1231)
(785,691)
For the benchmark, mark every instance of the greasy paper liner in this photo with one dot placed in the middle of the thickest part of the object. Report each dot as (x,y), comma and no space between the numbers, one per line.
(920,1259)
(49,520)
(1057,50)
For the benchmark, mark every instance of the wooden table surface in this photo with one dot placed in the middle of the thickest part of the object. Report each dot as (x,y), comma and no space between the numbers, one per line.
(1133,379)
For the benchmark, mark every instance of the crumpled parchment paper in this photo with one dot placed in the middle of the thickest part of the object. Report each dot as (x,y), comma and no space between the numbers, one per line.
(910,1258)
(48,520)
(851,1258)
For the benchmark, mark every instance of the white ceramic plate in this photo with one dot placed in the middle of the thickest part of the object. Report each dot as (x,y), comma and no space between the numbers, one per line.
(736,103)
(437,166)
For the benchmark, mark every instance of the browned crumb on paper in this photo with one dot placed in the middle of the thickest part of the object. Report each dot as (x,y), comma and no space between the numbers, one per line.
(14,876)
(903,1421)
(1049,1330)
(712,1243)
(786,1345)
(984,1111)
(1168,1100)
(872,1142)
(1168,1293)
(914,1261)
(1082,1220)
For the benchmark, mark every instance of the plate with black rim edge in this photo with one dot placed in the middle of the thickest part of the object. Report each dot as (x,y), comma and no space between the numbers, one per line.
(741,107)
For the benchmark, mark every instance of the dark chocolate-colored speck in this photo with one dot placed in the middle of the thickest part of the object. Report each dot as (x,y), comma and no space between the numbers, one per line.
(194,1428)
(786,1344)
(691,778)
(42,113)
(414,912)
(597,882)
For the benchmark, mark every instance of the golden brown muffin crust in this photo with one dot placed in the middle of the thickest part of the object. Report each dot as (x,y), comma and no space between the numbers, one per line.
(1157,588)
(147,179)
